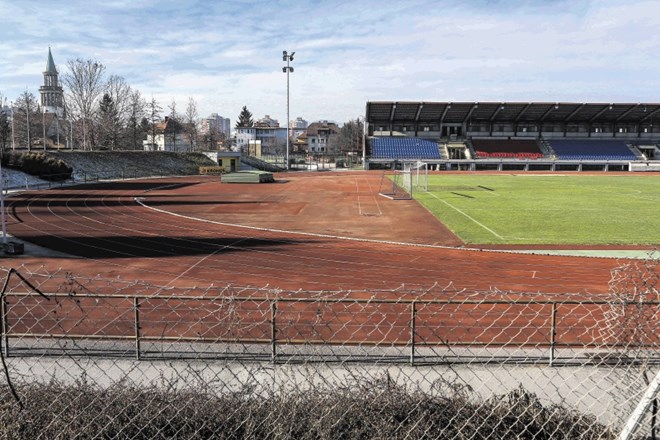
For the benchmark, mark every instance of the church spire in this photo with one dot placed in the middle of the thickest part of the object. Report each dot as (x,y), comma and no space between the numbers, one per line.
(52,95)
(50,64)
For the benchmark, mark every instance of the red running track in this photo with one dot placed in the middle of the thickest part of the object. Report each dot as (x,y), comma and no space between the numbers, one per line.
(196,231)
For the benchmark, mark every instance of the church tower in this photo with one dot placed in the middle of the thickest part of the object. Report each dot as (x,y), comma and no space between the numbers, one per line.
(52,96)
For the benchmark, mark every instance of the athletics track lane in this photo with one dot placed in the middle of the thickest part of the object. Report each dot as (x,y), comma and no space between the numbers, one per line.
(112,235)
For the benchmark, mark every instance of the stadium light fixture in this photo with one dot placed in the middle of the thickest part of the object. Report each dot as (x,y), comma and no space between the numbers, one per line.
(287,69)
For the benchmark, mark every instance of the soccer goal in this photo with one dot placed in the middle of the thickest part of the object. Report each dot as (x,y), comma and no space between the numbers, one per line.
(399,184)
(396,185)
(419,174)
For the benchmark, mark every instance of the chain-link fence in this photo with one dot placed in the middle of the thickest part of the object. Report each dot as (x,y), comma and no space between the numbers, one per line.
(93,357)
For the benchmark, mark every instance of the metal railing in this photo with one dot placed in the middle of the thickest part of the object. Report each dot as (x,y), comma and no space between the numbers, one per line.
(543,325)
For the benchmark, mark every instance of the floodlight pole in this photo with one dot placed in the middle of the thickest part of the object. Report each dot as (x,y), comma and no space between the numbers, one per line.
(2,208)
(364,142)
(43,123)
(13,135)
(288,69)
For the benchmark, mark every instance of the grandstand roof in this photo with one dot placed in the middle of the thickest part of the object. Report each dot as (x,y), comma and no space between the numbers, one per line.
(459,112)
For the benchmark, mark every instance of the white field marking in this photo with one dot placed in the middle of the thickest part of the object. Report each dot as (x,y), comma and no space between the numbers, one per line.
(534,274)
(644,196)
(140,201)
(374,198)
(201,260)
(357,189)
(474,220)
(357,186)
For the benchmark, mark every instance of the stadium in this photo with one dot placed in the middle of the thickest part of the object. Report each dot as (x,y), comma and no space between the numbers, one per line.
(439,284)
(513,136)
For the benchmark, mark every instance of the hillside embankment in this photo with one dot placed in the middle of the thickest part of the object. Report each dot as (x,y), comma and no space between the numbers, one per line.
(92,165)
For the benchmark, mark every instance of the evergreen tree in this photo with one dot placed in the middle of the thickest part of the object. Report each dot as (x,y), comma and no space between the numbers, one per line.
(153,110)
(109,125)
(350,136)
(245,118)
(137,124)
(5,131)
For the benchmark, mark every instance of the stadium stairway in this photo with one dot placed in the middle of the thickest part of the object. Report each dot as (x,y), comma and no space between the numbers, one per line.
(545,147)
(470,153)
(259,164)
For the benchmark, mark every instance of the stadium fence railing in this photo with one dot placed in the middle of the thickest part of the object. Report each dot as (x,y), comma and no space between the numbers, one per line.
(113,358)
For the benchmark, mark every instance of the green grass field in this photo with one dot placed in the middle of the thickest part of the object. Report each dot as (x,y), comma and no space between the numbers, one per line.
(547,209)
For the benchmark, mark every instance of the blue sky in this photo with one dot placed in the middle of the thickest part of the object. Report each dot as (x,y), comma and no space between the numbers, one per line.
(227,54)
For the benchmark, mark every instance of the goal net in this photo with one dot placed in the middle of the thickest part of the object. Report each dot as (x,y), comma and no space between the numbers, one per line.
(400,184)
(396,185)
(419,174)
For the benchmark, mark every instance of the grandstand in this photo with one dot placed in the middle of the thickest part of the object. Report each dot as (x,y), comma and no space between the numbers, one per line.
(580,149)
(507,148)
(404,148)
(514,135)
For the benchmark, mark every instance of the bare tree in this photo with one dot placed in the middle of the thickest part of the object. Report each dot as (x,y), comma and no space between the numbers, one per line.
(120,94)
(192,122)
(84,85)
(25,118)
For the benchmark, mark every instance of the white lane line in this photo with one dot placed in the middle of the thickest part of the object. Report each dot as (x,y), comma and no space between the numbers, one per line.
(359,196)
(357,189)
(466,215)
(140,201)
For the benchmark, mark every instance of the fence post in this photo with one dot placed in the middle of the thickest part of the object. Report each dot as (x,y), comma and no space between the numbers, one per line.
(136,308)
(273,329)
(413,314)
(641,409)
(553,332)
(5,327)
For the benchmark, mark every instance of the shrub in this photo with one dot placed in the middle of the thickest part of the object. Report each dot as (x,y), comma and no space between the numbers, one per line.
(38,164)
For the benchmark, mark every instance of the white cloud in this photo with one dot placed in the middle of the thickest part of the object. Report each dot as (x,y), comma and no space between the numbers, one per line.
(228,54)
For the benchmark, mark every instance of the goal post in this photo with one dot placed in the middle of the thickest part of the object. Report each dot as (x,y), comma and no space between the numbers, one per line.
(400,184)
(396,185)
(419,172)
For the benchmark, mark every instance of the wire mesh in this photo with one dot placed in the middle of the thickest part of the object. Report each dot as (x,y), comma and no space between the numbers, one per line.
(88,356)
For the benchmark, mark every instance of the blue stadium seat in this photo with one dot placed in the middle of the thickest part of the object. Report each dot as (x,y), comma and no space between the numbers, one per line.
(591,149)
(404,148)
